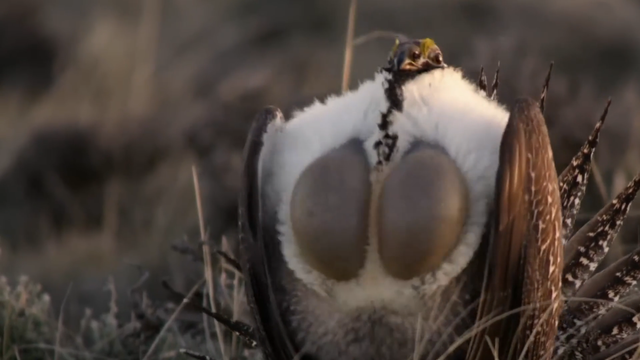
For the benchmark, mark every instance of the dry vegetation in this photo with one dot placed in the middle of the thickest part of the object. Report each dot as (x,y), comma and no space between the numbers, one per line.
(105,106)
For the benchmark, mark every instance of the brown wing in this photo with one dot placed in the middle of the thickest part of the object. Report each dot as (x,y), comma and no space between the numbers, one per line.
(258,248)
(519,305)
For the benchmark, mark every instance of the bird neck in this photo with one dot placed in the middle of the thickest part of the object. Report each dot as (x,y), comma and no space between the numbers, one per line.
(393,91)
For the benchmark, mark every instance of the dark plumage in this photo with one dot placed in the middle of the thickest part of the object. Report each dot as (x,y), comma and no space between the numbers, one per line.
(539,298)
(525,254)
(573,180)
(273,337)
(407,60)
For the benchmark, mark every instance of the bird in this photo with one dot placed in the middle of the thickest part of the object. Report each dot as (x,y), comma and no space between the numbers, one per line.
(418,217)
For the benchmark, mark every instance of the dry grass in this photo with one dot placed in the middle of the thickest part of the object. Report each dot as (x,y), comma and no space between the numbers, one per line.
(30,330)
(168,65)
(348,51)
(206,256)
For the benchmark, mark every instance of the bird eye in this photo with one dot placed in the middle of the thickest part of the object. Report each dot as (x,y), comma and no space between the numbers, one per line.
(415,55)
(437,58)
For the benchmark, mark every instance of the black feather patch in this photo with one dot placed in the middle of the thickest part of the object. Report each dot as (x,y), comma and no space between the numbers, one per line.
(573,179)
(386,145)
(597,295)
(195,355)
(482,82)
(494,85)
(259,250)
(545,88)
(590,244)
(605,333)
(625,350)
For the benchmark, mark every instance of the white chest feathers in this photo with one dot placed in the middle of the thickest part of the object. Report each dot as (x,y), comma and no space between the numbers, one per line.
(365,234)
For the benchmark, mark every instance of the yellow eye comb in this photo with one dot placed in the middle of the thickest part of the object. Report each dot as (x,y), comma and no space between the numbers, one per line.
(395,47)
(426,44)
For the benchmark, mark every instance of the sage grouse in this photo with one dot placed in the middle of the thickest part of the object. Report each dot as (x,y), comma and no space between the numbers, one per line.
(417,218)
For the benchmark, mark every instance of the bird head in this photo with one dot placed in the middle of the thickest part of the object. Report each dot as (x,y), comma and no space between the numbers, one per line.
(415,56)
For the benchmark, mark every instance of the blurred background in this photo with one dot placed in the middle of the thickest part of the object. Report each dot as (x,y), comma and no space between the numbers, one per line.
(105,106)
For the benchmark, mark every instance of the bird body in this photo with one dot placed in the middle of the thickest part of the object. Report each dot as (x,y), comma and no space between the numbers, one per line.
(329,317)
(415,217)
(443,109)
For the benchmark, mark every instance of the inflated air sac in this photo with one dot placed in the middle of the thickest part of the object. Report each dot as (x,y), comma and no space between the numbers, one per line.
(329,212)
(423,206)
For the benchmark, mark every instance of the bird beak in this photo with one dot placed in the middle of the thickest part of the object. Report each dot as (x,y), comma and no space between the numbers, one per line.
(426,65)
(429,51)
